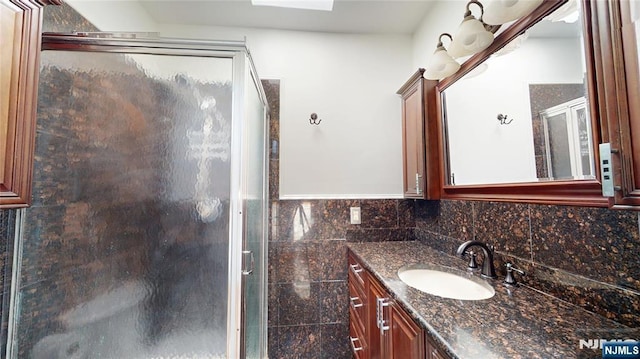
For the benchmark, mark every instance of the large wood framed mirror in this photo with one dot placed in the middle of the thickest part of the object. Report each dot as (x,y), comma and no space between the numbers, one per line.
(20,30)
(520,121)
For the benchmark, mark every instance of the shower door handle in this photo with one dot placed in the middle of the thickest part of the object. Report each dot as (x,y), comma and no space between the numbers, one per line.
(251,262)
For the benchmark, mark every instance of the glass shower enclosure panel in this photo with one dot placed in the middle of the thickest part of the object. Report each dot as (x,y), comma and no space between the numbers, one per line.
(254,292)
(145,192)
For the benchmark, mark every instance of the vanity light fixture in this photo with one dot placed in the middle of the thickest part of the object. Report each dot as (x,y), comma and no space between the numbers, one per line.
(498,12)
(472,36)
(324,5)
(441,64)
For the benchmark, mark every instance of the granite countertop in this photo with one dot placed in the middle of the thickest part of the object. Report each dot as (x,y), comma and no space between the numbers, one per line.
(517,322)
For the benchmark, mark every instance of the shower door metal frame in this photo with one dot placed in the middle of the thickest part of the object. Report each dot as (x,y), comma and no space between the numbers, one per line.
(132,43)
(250,78)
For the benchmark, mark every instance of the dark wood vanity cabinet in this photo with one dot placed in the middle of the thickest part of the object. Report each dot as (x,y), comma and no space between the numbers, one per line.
(420,151)
(379,327)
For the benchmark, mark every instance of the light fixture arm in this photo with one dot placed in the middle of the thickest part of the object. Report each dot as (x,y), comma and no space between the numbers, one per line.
(468,15)
(468,12)
(440,45)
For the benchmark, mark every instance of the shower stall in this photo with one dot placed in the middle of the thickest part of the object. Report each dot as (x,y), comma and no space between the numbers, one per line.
(147,233)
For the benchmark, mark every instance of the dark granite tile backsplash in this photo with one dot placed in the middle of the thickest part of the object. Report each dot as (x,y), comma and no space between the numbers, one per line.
(585,256)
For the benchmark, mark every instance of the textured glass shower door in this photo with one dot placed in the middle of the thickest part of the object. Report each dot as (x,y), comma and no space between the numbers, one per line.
(131,247)
(255,223)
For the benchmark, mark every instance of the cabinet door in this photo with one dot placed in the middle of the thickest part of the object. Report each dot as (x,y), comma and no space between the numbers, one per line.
(420,148)
(392,332)
(407,339)
(619,85)
(378,337)
(413,141)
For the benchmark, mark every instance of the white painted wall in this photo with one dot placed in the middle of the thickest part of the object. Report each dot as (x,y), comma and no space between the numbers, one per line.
(350,82)
(110,15)
(444,16)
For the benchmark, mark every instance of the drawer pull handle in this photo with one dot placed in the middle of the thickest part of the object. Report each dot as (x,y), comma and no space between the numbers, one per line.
(381,303)
(353,302)
(355,270)
(353,344)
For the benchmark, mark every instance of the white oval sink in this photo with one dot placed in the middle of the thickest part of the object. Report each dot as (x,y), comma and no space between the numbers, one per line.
(446,282)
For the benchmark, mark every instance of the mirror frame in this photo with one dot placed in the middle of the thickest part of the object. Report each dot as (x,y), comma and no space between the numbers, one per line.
(569,192)
(18,142)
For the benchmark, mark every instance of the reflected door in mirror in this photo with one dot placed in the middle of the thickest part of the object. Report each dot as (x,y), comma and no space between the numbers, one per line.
(567,146)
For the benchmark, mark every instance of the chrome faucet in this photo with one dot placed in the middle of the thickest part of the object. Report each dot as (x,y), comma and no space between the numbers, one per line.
(488,270)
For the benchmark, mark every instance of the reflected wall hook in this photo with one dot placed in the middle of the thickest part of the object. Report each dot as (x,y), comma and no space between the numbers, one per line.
(503,119)
(314,119)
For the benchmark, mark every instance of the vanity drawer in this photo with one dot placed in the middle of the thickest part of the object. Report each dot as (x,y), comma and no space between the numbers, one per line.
(357,306)
(357,273)
(357,339)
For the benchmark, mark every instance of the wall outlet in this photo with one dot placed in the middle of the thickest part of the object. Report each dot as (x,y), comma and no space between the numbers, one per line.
(355,215)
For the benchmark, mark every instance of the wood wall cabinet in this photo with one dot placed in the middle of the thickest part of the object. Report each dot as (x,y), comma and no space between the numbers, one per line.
(420,151)
(618,28)
(380,328)
(20,27)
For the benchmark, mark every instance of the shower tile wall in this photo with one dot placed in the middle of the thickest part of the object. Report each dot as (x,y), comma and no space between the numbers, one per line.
(7,229)
(56,18)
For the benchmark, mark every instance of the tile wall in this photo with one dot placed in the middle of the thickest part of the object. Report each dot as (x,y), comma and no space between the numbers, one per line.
(586,256)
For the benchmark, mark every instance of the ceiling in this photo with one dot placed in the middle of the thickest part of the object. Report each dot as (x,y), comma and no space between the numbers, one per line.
(348,16)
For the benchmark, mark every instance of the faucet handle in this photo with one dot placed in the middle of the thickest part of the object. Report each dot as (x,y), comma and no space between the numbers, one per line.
(473,264)
(509,279)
